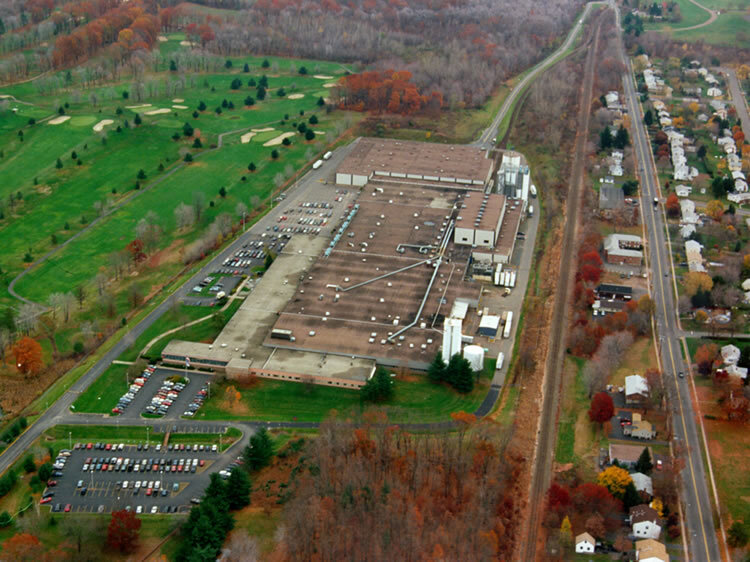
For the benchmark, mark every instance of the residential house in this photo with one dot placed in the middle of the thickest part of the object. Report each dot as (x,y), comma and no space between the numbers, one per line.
(683,190)
(650,550)
(615,163)
(736,371)
(612,98)
(694,255)
(642,483)
(585,544)
(625,455)
(636,389)
(639,428)
(645,522)
(714,92)
(730,354)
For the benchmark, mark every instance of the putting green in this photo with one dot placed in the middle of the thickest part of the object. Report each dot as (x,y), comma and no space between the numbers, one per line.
(168,123)
(82,120)
(263,137)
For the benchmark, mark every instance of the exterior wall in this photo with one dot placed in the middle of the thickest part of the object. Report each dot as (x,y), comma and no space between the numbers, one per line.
(635,399)
(325,381)
(343,179)
(616,259)
(195,362)
(464,236)
(646,530)
(359,180)
(484,238)
(584,547)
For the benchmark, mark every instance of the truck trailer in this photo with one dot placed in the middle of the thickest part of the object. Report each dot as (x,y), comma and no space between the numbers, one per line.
(508,325)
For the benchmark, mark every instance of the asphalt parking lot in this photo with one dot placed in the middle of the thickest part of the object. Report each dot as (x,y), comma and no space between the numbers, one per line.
(105,491)
(151,387)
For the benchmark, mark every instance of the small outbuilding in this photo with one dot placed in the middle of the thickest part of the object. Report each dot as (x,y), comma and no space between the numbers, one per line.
(585,544)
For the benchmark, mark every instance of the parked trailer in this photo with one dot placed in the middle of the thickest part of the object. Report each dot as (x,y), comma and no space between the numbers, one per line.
(318,164)
(327,155)
(500,361)
(497,278)
(512,279)
(508,324)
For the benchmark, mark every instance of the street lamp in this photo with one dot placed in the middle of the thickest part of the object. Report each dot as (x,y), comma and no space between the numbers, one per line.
(147,430)
(70,439)
(209,390)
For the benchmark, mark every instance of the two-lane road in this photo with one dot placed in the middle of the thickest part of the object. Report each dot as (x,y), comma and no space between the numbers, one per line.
(697,510)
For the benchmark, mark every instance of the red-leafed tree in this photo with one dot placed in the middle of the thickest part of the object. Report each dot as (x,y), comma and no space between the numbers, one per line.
(591,273)
(558,497)
(28,355)
(591,498)
(135,249)
(380,91)
(602,408)
(705,356)
(673,206)
(122,533)
(22,547)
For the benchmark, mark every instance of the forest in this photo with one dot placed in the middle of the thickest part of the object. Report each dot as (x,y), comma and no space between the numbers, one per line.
(460,50)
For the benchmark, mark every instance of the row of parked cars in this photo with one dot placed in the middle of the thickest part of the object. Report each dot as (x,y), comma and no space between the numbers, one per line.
(57,471)
(134,389)
(197,402)
(165,397)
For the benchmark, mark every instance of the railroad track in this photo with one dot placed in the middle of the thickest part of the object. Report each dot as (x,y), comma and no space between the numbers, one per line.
(545,447)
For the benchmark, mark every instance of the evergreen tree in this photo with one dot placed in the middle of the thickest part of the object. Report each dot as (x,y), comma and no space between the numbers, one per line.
(246,68)
(321,102)
(265,64)
(309,135)
(648,118)
(28,464)
(202,106)
(222,192)
(436,371)
(464,379)
(137,120)
(172,65)
(197,143)
(260,450)
(605,139)
(187,130)
(238,489)
(264,82)
(260,93)
(274,154)
(251,166)
(379,388)
(249,101)
(313,120)
(631,497)
(644,464)
(622,138)
(58,164)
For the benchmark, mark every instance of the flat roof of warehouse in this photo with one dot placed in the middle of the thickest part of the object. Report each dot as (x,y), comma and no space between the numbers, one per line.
(421,158)
(481,211)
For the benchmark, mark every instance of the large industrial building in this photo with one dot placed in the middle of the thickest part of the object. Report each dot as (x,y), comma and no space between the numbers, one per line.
(441,165)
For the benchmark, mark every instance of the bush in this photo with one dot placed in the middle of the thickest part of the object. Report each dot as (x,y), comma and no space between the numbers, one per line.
(29,465)
(5,519)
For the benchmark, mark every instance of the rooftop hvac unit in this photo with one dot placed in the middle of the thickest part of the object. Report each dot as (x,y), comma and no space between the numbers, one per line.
(328,313)
(372,319)
(422,325)
(401,338)
(371,340)
(324,319)
(429,340)
(395,321)
(424,346)
(383,341)
(311,333)
(381,299)
(374,335)
(390,284)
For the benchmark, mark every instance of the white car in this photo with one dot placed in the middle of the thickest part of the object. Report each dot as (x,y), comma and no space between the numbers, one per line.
(214,448)
(154,509)
(137,484)
(125,485)
(157,484)
(158,447)
(139,509)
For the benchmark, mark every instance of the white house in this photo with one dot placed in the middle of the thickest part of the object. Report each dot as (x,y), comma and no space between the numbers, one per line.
(746,285)
(713,92)
(694,256)
(735,371)
(585,544)
(636,389)
(645,522)
(642,483)
(730,354)
(683,190)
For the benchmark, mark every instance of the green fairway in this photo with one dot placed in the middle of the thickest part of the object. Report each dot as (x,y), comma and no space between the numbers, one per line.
(728,29)
(415,400)
(93,174)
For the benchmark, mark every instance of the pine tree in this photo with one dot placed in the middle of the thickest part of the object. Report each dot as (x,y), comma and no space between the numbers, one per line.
(246,68)
(260,450)
(436,371)
(566,533)
(644,464)
(58,164)
(137,119)
(631,497)
(238,489)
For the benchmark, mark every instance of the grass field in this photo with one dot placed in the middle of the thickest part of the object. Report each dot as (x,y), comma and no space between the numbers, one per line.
(415,400)
(55,203)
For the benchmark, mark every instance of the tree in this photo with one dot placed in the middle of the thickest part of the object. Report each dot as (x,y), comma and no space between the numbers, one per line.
(286,141)
(23,547)
(201,107)
(238,489)
(260,450)
(28,355)
(5,519)
(249,101)
(622,139)
(321,102)
(236,84)
(379,388)
(459,374)
(313,120)
(309,135)
(605,139)
(566,533)
(122,533)
(558,497)
(695,281)
(705,356)
(715,209)
(58,164)
(246,68)
(274,154)
(718,187)
(673,206)
(197,143)
(595,526)
(45,471)
(737,535)
(222,192)
(260,93)
(141,174)
(615,479)
(648,118)
(137,120)
(251,166)
(602,408)
(188,157)
(28,464)
(187,129)
(265,63)
(631,497)
(436,371)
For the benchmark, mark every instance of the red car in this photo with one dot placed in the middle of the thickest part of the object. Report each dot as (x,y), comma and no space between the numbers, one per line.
(105,466)
(89,445)
(116,411)
(51,483)
(45,500)
(179,468)
(201,462)
(67,508)
(108,447)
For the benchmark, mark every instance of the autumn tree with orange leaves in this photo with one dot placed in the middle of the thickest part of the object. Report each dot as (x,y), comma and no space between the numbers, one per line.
(396,494)
(383,91)
(28,355)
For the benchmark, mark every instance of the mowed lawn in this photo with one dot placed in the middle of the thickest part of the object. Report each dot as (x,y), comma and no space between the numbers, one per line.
(729,29)
(52,197)
(729,444)
(415,400)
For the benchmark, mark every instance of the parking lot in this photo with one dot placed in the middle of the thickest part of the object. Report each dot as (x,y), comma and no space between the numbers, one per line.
(143,398)
(130,478)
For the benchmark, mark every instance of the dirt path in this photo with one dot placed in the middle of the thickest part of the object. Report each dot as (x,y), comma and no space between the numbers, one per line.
(712,18)
(545,444)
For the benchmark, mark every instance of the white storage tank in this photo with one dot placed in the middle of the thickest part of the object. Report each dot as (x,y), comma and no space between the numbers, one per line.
(474,354)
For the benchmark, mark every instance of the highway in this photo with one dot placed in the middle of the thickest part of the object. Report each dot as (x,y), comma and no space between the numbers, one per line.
(696,508)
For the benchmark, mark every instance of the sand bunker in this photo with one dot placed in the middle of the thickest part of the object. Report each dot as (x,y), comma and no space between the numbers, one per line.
(244,139)
(179,107)
(58,120)
(319,132)
(296,96)
(329,84)
(162,38)
(101,124)
(323,77)
(264,130)
(186,43)
(178,100)
(158,111)
(5,96)
(278,140)
(137,106)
